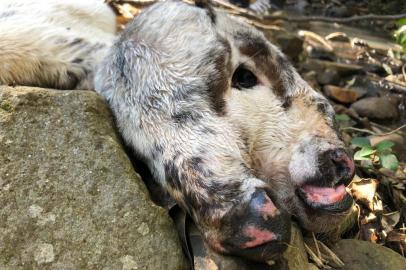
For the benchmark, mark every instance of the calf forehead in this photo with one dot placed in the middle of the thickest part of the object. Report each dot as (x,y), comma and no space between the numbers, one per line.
(286,84)
(268,59)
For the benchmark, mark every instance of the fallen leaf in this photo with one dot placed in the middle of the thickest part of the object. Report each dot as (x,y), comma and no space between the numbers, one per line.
(364,191)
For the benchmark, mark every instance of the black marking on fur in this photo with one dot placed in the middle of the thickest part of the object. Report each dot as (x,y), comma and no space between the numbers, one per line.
(77,60)
(206,4)
(76,41)
(196,164)
(283,62)
(252,45)
(207,130)
(186,116)
(8,13)
(219,82)
(172,175)
(322,106)
(258,50)
(156,151)
(287,103)
(336,128)
(228,190)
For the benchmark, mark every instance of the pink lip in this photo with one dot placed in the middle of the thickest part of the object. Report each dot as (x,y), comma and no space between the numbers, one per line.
(324,195)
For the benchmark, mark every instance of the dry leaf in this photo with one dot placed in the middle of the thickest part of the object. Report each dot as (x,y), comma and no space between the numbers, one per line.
(364,191)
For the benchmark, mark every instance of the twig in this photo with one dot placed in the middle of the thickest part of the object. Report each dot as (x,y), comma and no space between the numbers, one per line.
(393,131)
(336,20)
(318,38)
(241,11)
(261,25)
(359,129)
(374,133)
(317,246)
(404,72)
(136,2)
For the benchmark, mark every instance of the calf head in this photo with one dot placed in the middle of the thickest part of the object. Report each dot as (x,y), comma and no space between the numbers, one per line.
(288,131)
(227,127)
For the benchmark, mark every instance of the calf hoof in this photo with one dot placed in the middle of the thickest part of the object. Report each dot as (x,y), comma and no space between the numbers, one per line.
(256,230)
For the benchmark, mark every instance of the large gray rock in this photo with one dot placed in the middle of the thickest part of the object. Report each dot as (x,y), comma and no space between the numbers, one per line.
(69,197)
(363,255)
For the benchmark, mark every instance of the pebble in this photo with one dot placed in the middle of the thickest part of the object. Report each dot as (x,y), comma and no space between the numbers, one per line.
(44,253)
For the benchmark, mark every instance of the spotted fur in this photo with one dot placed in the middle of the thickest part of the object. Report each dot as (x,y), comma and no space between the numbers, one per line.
(53,43)
(225,151)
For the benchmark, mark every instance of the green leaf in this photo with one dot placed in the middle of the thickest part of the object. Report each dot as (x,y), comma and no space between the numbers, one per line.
(366,151)
(360,141)
(384,145)
(400,36)
(389,161)
(358,156)
(401,21)
(342,117)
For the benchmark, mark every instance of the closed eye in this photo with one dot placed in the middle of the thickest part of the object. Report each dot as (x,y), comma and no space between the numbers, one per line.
(243,78)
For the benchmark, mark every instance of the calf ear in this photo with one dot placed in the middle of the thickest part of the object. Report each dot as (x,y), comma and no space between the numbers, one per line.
(125,70)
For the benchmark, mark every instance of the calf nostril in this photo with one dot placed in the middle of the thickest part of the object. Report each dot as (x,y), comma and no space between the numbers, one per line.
(263,205)
(344,164)
(338,155)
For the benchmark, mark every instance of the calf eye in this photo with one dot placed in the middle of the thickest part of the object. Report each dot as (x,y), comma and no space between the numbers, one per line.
(243,78)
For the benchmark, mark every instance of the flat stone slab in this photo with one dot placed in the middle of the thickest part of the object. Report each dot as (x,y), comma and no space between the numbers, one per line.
(69,197)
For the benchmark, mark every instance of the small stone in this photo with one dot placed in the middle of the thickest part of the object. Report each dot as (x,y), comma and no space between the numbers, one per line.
(46,219)
(328,76)
(6,187)
(343,69)
(44,253)
(35,211)
(376,108)
(128,263)
(337,11)
(143,229)
(343,95)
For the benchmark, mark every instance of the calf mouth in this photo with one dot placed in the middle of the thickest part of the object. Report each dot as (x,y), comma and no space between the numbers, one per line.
(326,199)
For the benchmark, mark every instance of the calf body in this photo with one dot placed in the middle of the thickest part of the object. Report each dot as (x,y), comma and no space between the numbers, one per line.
(227,127)
(53,43)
